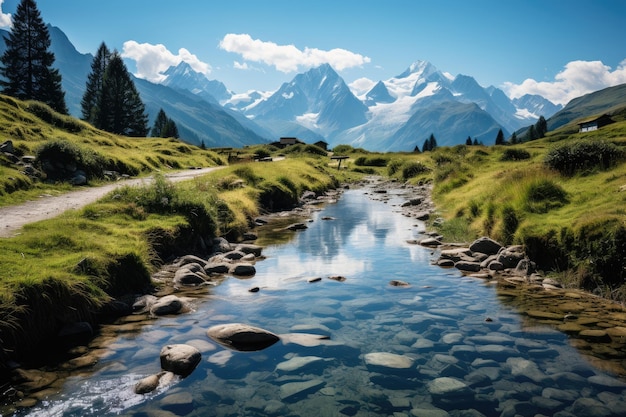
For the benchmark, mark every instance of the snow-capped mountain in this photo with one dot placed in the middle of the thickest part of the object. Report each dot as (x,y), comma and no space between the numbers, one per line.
(184,77)
(318,100)
(395,114)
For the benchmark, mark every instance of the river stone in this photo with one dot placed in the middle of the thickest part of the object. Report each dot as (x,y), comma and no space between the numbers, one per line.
(170,304)
(595,335)
(246,248)
(297,362)
(485,245)
(242,270)
(467,266)
(430,242)
(242,337)
(147,384)
(180,359)
(449,387)
(186,276)
(217,268)
(606,381)
(388,360)
(293,390)
(144,303)
(429,412)
(524,368)
(590,407)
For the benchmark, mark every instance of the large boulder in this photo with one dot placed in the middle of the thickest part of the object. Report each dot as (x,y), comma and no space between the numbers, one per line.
(170,304)
(485,245)
(180,359)
(242,337)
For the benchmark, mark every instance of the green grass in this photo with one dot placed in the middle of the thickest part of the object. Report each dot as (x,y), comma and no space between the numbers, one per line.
(31,126)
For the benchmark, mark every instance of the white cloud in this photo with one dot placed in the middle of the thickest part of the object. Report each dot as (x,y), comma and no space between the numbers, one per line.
(153,60)
(241,65)
(5,18)
(361,86)
(288,58)
(577,79)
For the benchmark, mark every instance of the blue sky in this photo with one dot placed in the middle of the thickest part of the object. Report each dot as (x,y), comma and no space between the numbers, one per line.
(558,48)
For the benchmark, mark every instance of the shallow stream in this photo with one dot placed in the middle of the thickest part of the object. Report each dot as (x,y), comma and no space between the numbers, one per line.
(442,345)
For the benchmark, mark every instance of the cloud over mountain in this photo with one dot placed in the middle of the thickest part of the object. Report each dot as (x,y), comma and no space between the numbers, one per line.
(288,58)
(153,60)
(5,18)
(576,79)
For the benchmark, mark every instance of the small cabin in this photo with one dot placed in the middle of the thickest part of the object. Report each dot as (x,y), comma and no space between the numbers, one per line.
(287,141)
(594,123)
(321,144)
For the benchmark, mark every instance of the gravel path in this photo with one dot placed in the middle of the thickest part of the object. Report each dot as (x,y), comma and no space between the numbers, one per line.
(12,218)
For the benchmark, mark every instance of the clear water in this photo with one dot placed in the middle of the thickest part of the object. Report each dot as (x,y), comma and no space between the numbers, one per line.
(450,327)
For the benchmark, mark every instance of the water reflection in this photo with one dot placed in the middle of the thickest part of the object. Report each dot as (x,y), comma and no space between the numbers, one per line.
(443,345)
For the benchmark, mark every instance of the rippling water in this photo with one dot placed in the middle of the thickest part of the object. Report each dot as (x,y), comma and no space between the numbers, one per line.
(442,345)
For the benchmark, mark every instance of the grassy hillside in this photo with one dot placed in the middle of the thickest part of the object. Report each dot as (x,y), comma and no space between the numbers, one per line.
(572,220)
(31,125)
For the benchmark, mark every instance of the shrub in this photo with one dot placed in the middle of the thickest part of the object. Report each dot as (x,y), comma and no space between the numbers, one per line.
(60,158)
(513,154)
(393,166)
(583,155)
(413,169)
(374,161)
(343,149)
(543,195)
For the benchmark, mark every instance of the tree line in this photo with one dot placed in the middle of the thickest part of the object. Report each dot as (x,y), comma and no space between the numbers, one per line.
(536,131)
(110,102)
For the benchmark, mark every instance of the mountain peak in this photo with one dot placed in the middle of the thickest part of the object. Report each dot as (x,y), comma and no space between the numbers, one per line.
(423,68)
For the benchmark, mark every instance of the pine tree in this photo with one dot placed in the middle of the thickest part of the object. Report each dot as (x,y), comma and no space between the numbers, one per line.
(468,141)
(532,133)
(541,127)
(432,142)
(476,142)
(26,71)
(426,146)
(164,127)
(93,90)
(500,138)
(121,109)
(513,139)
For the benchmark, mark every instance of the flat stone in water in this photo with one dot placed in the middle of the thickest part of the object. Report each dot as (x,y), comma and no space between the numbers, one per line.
(297,363)
(447,386)
(291,390)
(388,360)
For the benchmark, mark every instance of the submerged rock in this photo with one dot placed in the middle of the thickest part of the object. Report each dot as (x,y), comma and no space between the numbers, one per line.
(243,337)
(180,359)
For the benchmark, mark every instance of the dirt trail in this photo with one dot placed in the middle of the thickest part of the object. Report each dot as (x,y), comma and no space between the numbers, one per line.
(12,218)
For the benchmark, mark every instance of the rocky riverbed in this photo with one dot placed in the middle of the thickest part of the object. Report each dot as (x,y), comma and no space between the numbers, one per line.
(427,361)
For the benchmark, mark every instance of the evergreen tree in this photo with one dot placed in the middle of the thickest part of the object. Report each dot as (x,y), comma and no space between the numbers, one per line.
(26,70)
(93,90)
(500,138)
(513,139)
(416,149)
(541,127)
(532,133)
(468,141)
(476,142)
(121,109)
(432,142)
(202,145)
(164,127)
(426,146)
